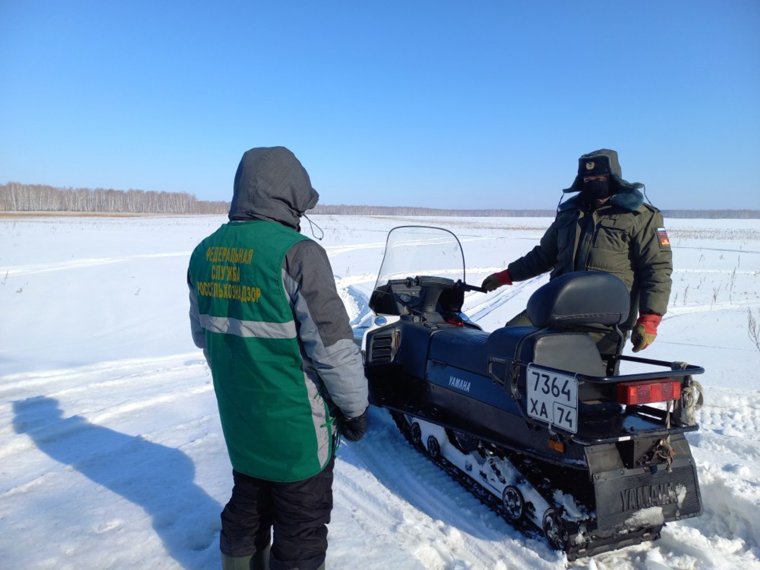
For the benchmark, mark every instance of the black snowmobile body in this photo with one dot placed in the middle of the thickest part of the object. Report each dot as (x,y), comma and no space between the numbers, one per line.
(532,418)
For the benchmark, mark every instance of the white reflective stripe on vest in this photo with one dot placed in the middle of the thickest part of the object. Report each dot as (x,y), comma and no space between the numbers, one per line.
(247,329)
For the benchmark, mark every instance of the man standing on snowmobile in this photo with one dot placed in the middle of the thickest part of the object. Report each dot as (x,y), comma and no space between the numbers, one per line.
(287,374)
(606,227)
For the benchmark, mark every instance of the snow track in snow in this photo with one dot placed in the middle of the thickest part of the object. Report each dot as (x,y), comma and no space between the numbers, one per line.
(24,270)
(414,497)
(482,307)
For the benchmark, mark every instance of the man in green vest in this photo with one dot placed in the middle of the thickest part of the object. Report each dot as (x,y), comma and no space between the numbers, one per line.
(287,374)
(608,227)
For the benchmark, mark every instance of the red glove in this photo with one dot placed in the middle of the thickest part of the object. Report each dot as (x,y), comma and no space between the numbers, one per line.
(496,280)
(645,331)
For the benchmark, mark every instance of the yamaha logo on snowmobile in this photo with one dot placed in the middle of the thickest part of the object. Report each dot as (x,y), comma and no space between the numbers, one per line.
(650,496)
(459,384)
(462,382)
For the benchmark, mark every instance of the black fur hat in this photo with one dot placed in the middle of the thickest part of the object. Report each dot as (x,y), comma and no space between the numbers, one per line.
(601,162)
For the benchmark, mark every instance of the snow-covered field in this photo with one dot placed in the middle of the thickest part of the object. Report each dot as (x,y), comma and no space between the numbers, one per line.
(111,452)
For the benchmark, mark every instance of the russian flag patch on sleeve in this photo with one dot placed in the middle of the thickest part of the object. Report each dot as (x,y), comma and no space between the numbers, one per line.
(662,236)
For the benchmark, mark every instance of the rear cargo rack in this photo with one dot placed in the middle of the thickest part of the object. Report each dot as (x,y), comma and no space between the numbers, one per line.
(597,396)
(674,370)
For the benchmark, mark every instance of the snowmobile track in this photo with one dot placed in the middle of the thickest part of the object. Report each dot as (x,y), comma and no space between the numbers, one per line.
(488,499)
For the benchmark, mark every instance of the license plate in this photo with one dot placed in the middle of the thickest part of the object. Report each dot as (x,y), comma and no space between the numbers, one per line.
(553,398)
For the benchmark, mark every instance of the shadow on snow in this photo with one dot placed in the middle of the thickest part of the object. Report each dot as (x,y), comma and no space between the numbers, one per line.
(157,478)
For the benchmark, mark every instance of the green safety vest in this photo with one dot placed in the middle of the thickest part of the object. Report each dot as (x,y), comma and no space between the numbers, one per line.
(276,424)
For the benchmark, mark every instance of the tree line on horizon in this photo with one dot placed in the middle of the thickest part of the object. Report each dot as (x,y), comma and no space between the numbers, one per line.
(17,197)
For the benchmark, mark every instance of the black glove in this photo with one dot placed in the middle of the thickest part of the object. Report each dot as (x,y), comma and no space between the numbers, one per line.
(353,429)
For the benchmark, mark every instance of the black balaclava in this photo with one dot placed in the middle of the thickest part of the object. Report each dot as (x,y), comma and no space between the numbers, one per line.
(597,189)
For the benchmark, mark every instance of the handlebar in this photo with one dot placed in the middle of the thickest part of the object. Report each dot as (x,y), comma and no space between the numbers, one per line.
(467,287)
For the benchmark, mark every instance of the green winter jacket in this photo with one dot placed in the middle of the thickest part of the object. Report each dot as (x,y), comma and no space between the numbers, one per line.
(267,411)
(625,237)
(265,310)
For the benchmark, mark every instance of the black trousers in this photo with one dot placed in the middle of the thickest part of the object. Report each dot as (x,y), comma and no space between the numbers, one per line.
(295,514)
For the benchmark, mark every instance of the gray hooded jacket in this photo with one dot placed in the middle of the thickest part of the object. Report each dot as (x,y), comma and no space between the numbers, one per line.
(271,184)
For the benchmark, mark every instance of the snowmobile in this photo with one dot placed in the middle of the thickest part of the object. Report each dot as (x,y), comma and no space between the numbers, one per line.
(532,419)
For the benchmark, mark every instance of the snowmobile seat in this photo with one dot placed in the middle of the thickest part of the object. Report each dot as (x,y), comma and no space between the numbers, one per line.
(461,347)
(472,349)
(566,350)
(559,312)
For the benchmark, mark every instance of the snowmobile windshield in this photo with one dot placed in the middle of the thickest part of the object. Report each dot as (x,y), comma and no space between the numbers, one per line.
(412,251)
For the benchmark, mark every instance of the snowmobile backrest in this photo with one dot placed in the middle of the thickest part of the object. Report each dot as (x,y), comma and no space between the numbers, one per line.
(580,298)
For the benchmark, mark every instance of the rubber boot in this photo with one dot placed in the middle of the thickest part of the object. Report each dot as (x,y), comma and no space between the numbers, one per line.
(260,559)
(236,562)
(278,564)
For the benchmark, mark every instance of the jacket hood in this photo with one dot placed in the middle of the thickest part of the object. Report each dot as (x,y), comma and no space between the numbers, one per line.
(602,161)
(271,183)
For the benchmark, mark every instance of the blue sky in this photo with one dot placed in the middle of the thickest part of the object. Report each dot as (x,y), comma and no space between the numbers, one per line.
(444,103)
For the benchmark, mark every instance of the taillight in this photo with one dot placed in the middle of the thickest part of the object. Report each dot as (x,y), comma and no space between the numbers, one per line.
(630,393)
